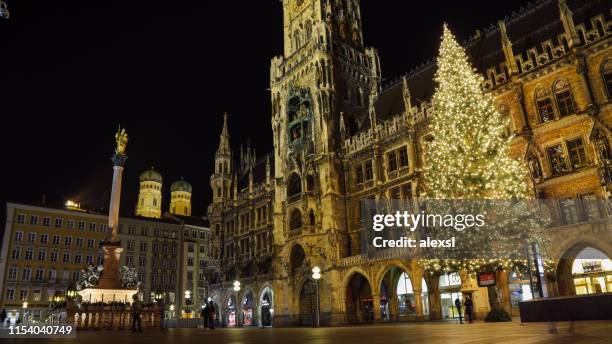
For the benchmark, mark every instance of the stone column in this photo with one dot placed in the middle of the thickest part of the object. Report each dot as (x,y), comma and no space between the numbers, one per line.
(376,305)
(418,303)
(435,305)
(113,209)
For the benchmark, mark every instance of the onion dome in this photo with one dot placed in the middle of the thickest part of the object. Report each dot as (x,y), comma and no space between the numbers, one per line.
(151,176)
(180,185)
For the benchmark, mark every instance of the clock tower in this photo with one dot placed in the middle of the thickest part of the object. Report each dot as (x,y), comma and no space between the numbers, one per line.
(320,91)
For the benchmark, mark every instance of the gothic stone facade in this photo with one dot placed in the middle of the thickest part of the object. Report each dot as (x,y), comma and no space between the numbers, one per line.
(340,137)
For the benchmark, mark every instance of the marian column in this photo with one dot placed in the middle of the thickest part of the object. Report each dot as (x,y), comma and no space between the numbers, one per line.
(112,245)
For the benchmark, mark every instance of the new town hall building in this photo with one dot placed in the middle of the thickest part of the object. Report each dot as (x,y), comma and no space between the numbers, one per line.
(340,137)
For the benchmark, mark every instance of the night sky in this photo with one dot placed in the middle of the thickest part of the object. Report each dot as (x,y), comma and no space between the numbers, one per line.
(72,71)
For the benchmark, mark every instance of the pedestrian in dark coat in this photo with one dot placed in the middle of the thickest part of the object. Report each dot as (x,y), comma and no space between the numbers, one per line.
(205,315)
(458,305)
(469,309)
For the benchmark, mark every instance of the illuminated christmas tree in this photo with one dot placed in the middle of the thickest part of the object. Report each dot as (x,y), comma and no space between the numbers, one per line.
(468,158)
(468,164)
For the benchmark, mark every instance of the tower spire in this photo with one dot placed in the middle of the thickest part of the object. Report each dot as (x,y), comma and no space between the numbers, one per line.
(224,144)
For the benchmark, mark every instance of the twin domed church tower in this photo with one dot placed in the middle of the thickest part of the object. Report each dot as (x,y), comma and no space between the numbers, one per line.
(150,196)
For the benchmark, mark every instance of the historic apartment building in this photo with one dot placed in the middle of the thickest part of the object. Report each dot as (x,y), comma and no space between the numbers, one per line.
(340,137)
(44,249)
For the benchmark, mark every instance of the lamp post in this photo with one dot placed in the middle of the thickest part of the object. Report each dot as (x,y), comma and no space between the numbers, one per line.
(316,275)
(4,12)
(159,299)
(25,311)
(187,303)
(238,302)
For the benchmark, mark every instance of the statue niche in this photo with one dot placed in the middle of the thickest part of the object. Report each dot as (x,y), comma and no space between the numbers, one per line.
(299,115)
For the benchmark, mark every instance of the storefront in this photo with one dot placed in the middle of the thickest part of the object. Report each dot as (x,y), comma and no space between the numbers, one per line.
(406,299)
(247,309)
(450,290)
(230,313)
(592,272)
(266,309)
(519,289)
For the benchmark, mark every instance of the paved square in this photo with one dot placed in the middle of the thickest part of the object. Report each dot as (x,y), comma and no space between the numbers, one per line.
(439,332)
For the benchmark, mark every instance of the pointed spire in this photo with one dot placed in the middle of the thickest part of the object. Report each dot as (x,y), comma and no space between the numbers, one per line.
(568,24)
(406,95)
(507,48)
(268,170)
(224,144)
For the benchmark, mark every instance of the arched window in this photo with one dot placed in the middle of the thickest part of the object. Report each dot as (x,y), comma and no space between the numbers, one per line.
(310,183)
(545,105)
(564,98)
(295,221)
(294,186)
(308,30)
(311,218)
(606,73)
(155,202)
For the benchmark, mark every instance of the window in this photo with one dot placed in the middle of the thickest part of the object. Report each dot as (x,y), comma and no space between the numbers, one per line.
(155,248)
(295,221)
(10,294)
(577,154)
(569,210)
(132,230)
(51,275)
(66,257)
(142,261)
(143,246)
(46,221)
(26,274)
(557,160)
(54,255)
(44,238)
(18,236)
(56,240)
(31,237)
(100,259)
(76,275)
(78,257)
(130,261)
(21,218)
(58,222)
(33,220)
(89,259)
(545,105)
(590,206)
(368,173)
(81,225)
(130,245)
(79,242)
(23,295)
(67,241)
(28,254)
(294,185)
(16,253)
(42,255)
(397,159)
(359,174)
(36,295)
(190,275)
(144,231)
(564,98)
(606,71)
(70,224)
(154,263)
(92,226)
(91,243)
(40,274)
(13,273)
(190,248)
(189,261)
(103,228)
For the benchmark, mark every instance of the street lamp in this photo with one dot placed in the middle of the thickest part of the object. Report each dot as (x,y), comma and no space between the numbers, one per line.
(25,311)
(316,275)
(159,299)
(4,12)
(236,286)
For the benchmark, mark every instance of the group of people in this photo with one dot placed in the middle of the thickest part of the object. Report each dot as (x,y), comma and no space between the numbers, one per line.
(208,314)
(469,309)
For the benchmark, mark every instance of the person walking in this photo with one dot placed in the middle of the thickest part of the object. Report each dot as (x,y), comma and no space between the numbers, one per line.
(211,315)
(205,315)
(458,305)
(3,317)
(136,310)
(469,309)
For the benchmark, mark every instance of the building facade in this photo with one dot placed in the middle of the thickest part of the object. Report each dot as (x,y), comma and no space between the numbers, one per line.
(340,138)
(44,249)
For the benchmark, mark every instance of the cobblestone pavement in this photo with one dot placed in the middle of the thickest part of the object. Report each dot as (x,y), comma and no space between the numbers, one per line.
(432,332)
